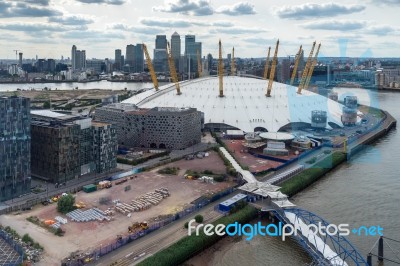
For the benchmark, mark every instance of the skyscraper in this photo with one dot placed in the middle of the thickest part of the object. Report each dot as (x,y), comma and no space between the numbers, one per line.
(138,58)
(191,48)
(117,60)
(130,55)
(15,147)
(78,59)
(176,48)
(73,54)
(160,54)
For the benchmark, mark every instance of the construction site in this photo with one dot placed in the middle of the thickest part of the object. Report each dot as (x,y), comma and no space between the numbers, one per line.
(115,209)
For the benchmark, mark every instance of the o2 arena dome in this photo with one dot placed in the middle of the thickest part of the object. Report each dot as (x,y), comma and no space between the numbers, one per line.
(244,104)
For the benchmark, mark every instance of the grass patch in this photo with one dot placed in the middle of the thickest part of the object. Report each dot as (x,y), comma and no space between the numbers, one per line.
(188,246)
(169,171)
(310,175)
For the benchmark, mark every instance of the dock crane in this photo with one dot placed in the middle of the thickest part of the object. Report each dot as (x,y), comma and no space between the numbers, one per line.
(305,72)
(233,66)
(296,65)
(267,64)
(310,72)
(221,71)
(172,70)
(199,65)
(273,67)
(150,67)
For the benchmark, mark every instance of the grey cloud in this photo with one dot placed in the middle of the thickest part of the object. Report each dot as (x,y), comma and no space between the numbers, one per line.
(341,25)
(381,30)
(241,8)
(107,2)
(135,29)
(316,10)
(386,2)
(10,9)
(38,2)
(30,27)
(71,20)
(191,7)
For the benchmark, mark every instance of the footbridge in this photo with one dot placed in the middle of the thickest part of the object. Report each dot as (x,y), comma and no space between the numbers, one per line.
(325,249)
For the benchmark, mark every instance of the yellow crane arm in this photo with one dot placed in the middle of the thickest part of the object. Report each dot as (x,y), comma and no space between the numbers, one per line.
(199,66)
(267,64)
(273,67)
(310,72)
(296,65)
(220,71)
(150,67)
(172,70)
(233,66)
(305,72)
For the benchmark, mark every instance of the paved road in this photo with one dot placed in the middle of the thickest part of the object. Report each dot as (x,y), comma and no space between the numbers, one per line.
(159,239)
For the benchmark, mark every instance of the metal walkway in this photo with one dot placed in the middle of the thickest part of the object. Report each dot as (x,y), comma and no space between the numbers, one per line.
(320,247)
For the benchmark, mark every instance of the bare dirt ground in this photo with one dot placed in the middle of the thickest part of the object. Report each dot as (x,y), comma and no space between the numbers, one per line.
(213,163)
(91,235)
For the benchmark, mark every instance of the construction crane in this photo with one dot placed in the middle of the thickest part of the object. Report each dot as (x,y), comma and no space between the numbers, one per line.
(199,65)
(172,70)
(220,71)
(310,72)
(233,67)
(273,67)
(267,64)
(150,67)
(296,64)
(305,72)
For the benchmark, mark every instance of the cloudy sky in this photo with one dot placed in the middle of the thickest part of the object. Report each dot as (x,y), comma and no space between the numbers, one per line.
(48,28)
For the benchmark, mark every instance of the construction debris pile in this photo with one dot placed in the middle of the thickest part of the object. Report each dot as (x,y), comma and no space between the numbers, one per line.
(143,202)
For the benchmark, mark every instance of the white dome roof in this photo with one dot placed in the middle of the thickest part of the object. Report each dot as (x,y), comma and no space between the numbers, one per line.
(244,105)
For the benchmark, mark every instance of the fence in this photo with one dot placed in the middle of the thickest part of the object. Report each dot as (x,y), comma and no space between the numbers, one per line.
(10,241)
(104,250)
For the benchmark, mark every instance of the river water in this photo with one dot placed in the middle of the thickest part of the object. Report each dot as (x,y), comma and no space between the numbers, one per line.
(104,85)
(364,191)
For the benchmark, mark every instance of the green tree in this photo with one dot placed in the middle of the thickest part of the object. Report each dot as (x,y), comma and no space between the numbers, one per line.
(46,105)
(27,239)
(66,204)
(199,218)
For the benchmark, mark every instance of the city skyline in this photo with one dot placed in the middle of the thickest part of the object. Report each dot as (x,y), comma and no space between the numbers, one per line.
(48,28)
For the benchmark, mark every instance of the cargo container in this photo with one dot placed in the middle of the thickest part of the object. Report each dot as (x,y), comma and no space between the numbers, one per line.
(89,188)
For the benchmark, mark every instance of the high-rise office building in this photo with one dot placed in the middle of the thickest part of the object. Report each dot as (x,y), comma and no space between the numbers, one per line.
(130,55)
(20,60)
(176,49)
(161,42)
(138,60)
(78,59)
(160,54)
(15,147)
(284,71)
(191,48)
(73,54)
(117,59)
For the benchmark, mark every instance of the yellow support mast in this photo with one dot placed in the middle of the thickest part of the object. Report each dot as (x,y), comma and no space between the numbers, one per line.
(221,71)
(172,70)
(305,72)
(199,65)
(233,66)
(273,67)
(310,72)
(267,64)
(150,67)
(296,65)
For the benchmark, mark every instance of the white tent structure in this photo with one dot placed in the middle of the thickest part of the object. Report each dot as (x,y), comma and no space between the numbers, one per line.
(244,105)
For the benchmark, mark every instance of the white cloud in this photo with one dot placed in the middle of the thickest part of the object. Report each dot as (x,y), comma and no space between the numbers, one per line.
(190,7)
(241,8)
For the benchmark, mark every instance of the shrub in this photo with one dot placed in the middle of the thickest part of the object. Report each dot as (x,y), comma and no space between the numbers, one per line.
(186,225)
(27,239)
(219,178)
(66,204)
(208,172)
(199,218)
